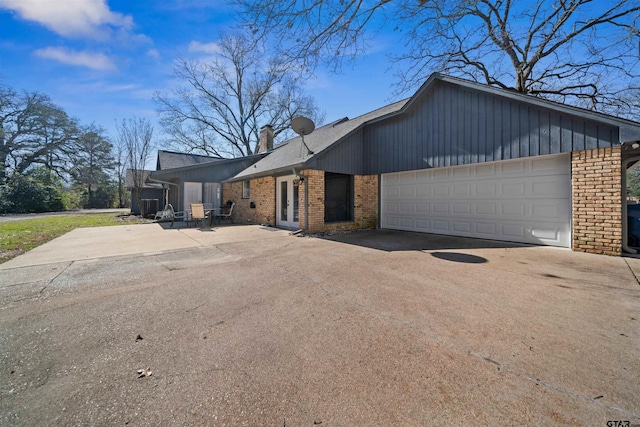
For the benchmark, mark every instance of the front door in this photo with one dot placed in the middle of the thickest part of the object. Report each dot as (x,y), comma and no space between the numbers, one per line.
(287,202)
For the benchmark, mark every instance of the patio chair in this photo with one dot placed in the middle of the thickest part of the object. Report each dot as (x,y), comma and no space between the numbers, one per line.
(197,213)
(168,214)
(226,215)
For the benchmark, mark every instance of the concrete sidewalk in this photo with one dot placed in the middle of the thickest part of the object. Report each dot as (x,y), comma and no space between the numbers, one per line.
(135,239)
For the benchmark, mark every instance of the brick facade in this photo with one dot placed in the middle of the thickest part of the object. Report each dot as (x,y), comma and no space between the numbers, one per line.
(262,192)
(365,200)
(597,201)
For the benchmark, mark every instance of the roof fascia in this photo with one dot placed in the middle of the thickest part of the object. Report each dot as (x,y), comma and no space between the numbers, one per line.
(272,172)
(207,164)
(629,130)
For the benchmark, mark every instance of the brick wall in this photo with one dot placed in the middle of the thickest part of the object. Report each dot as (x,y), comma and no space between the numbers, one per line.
(597,201)
(262,192)
(315,186)
(365,203)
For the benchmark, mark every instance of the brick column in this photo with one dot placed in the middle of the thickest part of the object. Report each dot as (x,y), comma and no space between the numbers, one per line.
(315,186)
(597,201)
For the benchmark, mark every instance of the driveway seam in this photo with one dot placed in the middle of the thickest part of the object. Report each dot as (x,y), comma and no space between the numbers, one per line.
(192,238)
(632,272)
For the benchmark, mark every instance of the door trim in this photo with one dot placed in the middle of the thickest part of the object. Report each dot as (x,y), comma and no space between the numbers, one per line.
(288,222)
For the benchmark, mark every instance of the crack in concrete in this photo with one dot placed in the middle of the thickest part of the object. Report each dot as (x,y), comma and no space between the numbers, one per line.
(632,272)
(56,276)
(554,387)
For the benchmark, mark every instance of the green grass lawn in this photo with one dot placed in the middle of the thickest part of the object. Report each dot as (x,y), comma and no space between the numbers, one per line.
(18,237)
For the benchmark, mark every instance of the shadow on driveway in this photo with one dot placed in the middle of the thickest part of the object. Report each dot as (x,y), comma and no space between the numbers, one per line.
(393,240)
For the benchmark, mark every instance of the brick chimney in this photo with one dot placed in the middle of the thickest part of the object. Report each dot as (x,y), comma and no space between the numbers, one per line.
(266,139)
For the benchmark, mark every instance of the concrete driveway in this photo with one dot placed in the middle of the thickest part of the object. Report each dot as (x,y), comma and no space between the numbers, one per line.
(252,326)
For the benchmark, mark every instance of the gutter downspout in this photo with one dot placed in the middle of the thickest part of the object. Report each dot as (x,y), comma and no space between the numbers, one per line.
(306,204)
(166,198)
(379,201)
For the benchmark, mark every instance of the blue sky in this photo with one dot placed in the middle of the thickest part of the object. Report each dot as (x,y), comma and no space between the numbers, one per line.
(102,60)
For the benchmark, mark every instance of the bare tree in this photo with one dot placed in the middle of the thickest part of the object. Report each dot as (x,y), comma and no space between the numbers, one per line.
(575,51)
(228,98)
(120,167)
(136,135)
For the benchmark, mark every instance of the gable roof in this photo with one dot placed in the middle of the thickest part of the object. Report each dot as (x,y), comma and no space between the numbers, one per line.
(326,140)
(629,130)
(173,160)
(292,153)
(218,162)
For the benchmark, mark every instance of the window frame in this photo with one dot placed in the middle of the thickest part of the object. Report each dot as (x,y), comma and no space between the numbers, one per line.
(246,191)
(347,199)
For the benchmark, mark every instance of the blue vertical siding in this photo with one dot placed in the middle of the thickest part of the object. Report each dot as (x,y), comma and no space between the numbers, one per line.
(453,125)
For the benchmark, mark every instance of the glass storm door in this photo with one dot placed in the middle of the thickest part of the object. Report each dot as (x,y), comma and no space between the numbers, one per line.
(287,204)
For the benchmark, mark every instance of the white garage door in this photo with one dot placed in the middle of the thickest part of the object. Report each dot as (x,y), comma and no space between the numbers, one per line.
(525,200)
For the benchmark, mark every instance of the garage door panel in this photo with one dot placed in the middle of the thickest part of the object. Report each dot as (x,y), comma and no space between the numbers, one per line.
(485,209)
(513,209)
(486,189)
(512,231)
(423,225)
(461,208)
(407,223)
(440,225)
(407,192)
(513,189)
(423,176)
(390,207)
(423,191)
(546,164)
(546,211)
(525,200)
(462,189)
(441,173)
(486,230)
(422,208)
(392,193)
(406,207)
(546,233)
(488,170)
(549,187)
(441,208)
(441,190)
(511,168)
(462,226)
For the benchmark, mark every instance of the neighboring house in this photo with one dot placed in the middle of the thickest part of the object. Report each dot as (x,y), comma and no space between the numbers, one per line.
(152,194)
(192,178)
(457,158)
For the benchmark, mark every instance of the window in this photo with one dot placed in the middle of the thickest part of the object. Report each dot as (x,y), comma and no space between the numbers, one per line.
(245,189)
(338,197)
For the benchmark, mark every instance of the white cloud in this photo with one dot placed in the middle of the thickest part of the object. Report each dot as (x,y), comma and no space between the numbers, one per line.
(153,53)
(71,18)
(210,48)
(93,60)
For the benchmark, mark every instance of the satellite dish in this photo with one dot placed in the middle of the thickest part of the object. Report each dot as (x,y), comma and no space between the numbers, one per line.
(302,125)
